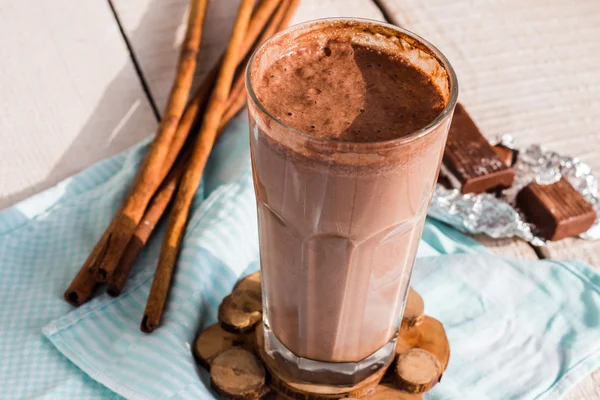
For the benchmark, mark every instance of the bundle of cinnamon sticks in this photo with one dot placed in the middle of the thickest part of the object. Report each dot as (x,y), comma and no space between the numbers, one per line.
(175,160)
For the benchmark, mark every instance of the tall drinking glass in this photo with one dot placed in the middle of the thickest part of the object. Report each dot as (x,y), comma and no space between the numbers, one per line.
(340,221)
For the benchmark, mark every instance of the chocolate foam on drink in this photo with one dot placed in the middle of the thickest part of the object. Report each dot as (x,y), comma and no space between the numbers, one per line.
(346,85)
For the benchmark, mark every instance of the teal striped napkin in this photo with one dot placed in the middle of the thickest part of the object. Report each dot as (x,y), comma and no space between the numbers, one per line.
(518,329)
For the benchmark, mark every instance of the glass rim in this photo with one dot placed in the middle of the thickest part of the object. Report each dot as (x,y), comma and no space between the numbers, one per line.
(452,80)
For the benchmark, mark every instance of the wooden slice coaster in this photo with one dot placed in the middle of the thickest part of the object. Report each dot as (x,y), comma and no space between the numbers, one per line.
(414,311)
(242,309)
(288,387)
(422,352)
(213,341)
(238,374)
(416,371)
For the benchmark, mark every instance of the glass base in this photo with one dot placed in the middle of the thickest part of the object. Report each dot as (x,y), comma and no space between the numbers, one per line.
(327,373)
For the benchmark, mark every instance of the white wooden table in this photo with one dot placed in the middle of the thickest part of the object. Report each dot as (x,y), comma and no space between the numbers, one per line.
(83,80)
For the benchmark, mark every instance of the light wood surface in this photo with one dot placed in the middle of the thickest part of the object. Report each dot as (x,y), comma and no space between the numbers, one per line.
(573,249)
(508,247)
(70,95)
(587,389)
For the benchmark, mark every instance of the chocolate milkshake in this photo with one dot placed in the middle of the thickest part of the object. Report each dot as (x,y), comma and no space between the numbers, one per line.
(348,125)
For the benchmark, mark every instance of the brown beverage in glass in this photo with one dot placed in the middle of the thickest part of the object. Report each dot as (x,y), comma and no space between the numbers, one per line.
(348,122)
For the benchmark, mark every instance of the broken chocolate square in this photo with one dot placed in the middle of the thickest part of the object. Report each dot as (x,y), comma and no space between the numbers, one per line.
(557,210)
(470,162)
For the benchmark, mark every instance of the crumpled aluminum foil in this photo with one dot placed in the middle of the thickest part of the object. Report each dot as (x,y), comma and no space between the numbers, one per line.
(497,216)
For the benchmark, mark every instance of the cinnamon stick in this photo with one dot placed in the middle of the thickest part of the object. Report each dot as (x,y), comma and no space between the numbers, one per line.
(191,178)
(155,210)
(292,6)
(165,193)
(262,16)
(238,102)
(153,214)
(260,19)
(82,288)
(125,224)
(190,115)
(194,107)
(150,175)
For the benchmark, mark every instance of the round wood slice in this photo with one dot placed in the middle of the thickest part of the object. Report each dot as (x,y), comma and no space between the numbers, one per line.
(287,387)
(214,340)
(238,374)
(240,311)
(414,311)
(428,335)
(416,371)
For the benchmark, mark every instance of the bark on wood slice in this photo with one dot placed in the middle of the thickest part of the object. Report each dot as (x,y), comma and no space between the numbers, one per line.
(214,340)
(429,335)
(414,311)
(238,374)
(287,387)
(241,310)
(416,371)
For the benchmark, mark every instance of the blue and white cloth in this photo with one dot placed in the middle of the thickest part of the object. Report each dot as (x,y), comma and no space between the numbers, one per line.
(518,329)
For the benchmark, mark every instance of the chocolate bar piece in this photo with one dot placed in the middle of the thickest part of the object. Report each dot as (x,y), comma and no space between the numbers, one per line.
(505,154)
(557,210)
(470,162)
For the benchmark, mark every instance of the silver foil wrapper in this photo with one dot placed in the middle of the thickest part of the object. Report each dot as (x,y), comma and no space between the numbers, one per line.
(497,216)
